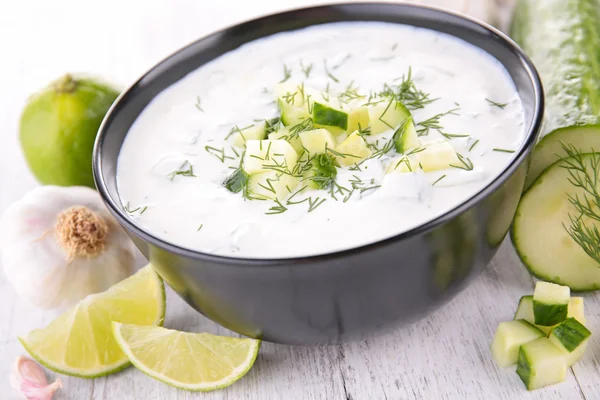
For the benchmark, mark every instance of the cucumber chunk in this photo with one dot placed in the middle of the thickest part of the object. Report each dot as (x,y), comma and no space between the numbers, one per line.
(292,114)
(406,137)
(550,303)
(541,364)
(509,337)
(571,337)
(352,150)
(316,141)
(236,181)
(540,237)
(284,134)
(272,185)
(327,116)
(358,119)
(562,37)
(436,156)
(257,131)
(525,311)
(264,155)
(387,115)
(322,172)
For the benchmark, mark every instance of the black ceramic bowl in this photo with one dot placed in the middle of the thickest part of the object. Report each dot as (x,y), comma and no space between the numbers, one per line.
(334,297)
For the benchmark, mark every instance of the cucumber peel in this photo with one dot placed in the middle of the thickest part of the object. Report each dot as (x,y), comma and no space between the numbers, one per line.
(326,116)
(541,364)
(571,338)
(550,303)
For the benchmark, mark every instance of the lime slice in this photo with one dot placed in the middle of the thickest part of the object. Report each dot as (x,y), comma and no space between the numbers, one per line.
(80,341)
(190,361)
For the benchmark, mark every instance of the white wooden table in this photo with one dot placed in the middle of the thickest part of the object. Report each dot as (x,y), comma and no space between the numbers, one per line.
(444,356)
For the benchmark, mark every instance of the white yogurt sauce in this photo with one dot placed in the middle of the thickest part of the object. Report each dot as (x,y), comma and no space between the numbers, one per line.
(198,213)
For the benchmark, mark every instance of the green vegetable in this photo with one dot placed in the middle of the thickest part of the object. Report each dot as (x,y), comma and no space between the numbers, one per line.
(540,364)
(387,114)
(257,131)
(58,129)
(329,117)
(317,141)
(562,37)
(525,311)
(322,171)
(237,181)
(543,227)
(550,303)
(509,337)
(571,338)
(406,137)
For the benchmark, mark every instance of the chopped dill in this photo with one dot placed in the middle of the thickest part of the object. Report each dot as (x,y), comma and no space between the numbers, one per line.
(503,150)
(278,208)
(407,93)
(127,208)
(186,169)
(466,163)
(473,145)
(495,104)
(433,123)
(342,61)
(314,203)
(328,72)
(306,69)
(143,210)
(200,227)
(287,73)
(219,153)
(439,179)
(199,103)
(453,135)
(237,129)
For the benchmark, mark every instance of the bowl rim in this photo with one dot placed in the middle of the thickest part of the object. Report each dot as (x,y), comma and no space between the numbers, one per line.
(519,157)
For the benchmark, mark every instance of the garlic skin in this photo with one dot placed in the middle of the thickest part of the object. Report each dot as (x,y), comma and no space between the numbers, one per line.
(60,244)
(29,379)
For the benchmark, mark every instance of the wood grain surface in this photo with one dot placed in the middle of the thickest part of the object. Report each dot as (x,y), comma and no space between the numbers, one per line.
(445,356)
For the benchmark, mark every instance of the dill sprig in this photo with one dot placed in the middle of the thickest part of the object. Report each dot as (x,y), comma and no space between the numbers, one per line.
(128,210)
(503,150)
(585,176)
(328,72)
(407,92)
(219,153)
(306,70)
(287,73)
(200,227)
(496,104)
(466,163)
(278,208)
(237,129)
(199,104)
(433,123)
(342,61)
(314,203)
(186,169)
(304,125)
(438,179)
(473,145)
(453,135)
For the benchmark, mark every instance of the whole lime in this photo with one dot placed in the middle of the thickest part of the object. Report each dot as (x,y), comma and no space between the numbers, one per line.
(58,128)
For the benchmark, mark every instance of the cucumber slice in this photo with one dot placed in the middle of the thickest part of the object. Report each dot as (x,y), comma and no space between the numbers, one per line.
(284,134)
(525,311)
(550,303)
(406,137)
(264,155)
(326,116)
(571,338)
(272,185)
(317,141)
(257,131)
(509,337)
(540,364)
(352,150)
(562,37)
(358,119)
(436,156)
(387,115)
(540,237)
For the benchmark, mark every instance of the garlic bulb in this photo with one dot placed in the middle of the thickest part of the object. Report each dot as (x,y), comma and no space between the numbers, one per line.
(59,244)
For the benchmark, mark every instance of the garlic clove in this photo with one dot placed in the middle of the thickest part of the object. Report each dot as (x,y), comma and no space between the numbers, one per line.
(30,380)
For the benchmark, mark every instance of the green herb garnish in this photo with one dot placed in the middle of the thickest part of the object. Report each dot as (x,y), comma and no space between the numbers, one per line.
(495,104)
(466,163)
(287,73)
(473,145)
(328,73)
(433,123)
(278,208)
(439,179)
(306,69)
(186,169)
(503,150)
(237,181)
(219,153)
(199,103)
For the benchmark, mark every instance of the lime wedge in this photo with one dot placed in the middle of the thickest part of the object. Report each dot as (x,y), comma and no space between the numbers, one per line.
(190,361)
(80,341)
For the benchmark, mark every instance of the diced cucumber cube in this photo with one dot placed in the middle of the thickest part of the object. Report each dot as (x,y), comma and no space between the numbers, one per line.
(265,155)
(406,137)
(326,116)
(550,303)
(571,337)
(576,309)
(257,131)
(386,115)
(292,114)
(284,134)
(272,185)
(402,164)
(525,311)
(436,156)
(509,337)
(236,181)
(321,173)
(358,119)
(316,141)
(352,150)
(541,364)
